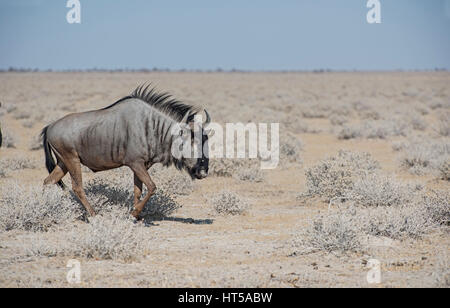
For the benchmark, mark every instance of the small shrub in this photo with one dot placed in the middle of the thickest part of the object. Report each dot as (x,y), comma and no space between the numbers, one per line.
(437,207)
(172,181)
(35,143)
(314,111)
(35,208)
(347,229)
(227,202)
(444,169)
(378,190)
(334,233)
(20,115)
(441,273)
(350,132)
(112,235)
(381,129)
(421,157)
(109,236)
(16,163)
(227,167)
(338,120)
(419,123)
(107,195)
(290,148)
(334,176)
(159,206)
(365,111)
(9,139)
(28,124)
(250,175)
(10,108)
(397,222)
(443,126)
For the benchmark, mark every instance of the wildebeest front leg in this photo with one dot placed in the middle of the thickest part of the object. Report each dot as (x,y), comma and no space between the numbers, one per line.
(74,167)
(137,190)
(140,173)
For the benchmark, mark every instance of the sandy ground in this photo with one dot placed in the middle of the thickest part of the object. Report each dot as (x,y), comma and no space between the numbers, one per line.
(197,248)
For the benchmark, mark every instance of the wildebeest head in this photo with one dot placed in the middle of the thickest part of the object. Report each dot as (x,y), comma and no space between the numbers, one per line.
(195,160)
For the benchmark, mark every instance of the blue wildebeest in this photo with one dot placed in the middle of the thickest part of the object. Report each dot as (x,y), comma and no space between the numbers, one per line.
(135,131)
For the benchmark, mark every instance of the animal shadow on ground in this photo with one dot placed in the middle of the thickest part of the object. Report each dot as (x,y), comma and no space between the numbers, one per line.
(150,219)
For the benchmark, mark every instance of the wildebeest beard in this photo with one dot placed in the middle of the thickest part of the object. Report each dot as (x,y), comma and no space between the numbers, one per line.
(198,167)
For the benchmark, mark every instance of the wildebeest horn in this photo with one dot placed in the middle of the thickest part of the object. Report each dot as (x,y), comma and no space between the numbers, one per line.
(186,116)
(208,118)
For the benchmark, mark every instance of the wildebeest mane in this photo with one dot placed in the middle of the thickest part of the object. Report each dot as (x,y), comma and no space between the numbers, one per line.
(164,102)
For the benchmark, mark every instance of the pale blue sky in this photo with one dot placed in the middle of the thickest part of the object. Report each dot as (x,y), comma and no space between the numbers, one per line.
(241,34)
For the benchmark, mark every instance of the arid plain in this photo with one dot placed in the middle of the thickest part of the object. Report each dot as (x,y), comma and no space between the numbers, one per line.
(363,174)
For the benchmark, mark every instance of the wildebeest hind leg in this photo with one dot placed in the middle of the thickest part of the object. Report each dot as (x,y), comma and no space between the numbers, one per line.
(56,175)
(140,172)
(74,167)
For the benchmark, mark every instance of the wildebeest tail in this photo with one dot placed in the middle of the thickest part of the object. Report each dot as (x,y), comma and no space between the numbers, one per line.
(49,160)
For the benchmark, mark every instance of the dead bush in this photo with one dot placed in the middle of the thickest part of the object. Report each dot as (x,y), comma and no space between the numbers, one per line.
(444,169)
(337,232)
(35,208)
(17,163)
(397,222)
(422,157)
(315,111)
(172,181)
(35,143)
(227,202)
(418,123)
(380,129)
(250,175)
(436,205)
(347,229)
(113,235)
(159,206)
(336,175)
(9,139)
(290,148)
(227,167)
(443,125)
(20,115)
(338,120)
(379,190)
